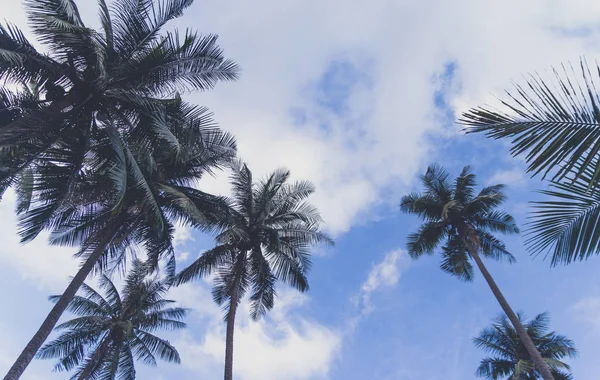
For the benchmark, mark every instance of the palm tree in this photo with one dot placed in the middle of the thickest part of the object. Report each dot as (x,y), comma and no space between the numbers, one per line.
(111,331)
(124,71)
(132,194)
(104,114)
(265,238)
(512,361)
(554,125)
(464,221)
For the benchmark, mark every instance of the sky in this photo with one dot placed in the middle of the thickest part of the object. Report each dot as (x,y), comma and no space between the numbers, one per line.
(358,97)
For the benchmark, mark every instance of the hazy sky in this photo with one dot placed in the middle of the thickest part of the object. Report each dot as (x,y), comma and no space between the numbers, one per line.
(357,97)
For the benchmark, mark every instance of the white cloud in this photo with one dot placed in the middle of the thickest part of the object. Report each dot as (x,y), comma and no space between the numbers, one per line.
(512,177)
(381,141)
(587,310)
(37,262)
(384,274)
(283,346)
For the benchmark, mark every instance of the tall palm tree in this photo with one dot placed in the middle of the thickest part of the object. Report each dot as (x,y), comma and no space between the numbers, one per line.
(111,331)
(455,215)
(130,197)
(554,124)
(124,71)
(512,361)
(265,239)
(104,115)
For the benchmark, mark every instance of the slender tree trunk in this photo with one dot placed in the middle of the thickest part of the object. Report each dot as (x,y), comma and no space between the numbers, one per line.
(47,326)
(95,358)
(538,361)
(231,321)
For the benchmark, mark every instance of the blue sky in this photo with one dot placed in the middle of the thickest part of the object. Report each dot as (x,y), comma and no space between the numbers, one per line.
(358,101)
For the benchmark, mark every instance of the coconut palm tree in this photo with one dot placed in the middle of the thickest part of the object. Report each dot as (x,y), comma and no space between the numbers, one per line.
(510,357)
(265,239)
(107,102)
(554,123)
(464,222)
(113,330)
(128,194)
(122,72)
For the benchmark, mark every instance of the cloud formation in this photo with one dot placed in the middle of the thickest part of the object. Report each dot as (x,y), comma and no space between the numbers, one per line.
(384,274)
(283,345)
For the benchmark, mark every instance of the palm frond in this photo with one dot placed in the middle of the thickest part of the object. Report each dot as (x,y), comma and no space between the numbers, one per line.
(263,281)
(553,124)
(206,264)
(565,225)
(455,260)
(426,239)
(159,347)
(464,184)
(497,221)
(495,369)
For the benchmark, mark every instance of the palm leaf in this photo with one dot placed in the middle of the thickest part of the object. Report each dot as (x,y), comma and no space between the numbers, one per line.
(552,123)
(565,226)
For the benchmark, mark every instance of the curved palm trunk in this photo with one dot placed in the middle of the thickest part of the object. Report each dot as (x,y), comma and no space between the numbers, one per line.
(231,322)
(100,351)
(47,326)
(538,361)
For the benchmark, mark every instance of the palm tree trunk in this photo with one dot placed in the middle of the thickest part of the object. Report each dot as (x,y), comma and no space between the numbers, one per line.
(538,361)
(89,367)
(47,326)
(231,321)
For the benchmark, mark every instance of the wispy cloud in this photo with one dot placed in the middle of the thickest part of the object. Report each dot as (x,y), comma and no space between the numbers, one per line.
(46,266)
(515,178)
(384,274)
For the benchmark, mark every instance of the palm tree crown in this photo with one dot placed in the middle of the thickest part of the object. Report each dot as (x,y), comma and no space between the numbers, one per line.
(134,191)
(453,213)
(113,330)
(269,230)
(511,360)
(94,80)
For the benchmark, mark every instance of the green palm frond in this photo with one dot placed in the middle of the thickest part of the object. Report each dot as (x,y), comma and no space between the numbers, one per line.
(263,282)
(552,122)
(426,239)
(455,260)
(159,347)
(497,221)
(495,368)
(493,248)
(565,225)
(206,264)
(20,62)
(464,185)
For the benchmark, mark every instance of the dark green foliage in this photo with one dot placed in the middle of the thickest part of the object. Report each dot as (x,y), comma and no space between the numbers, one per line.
(129,186)
(126,72)
(555,126)
(265,238)
(510,359)
(110,331)
(452,211)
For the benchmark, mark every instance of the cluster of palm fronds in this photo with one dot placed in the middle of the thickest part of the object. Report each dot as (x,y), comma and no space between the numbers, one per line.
(104,154)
